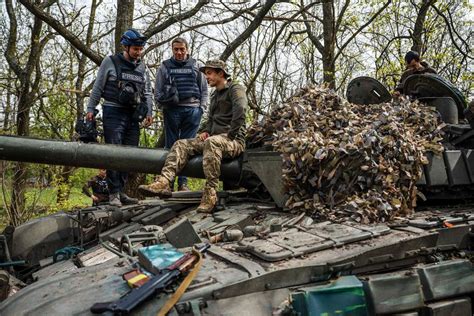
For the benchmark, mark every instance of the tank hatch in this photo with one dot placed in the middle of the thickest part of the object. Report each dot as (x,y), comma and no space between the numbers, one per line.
(431,85)
(367,90)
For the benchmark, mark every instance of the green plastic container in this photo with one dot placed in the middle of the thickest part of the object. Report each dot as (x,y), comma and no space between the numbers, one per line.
(158,257)
(344,296)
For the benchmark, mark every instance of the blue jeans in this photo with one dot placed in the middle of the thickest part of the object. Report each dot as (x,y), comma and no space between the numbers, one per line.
(119,129)
(181,122)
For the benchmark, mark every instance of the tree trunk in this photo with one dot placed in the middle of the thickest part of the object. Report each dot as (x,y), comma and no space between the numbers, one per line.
(26,95)
(418,30)
(64,187)
(8,109)
(17,204)
(123,21)
(329,37)
(8,106)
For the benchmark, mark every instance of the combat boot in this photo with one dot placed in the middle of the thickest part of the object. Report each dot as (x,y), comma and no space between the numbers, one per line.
(126,200)
(161,188)
(114,199)
(208,201)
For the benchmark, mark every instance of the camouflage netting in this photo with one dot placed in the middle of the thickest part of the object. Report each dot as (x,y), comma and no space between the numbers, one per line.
(345,160)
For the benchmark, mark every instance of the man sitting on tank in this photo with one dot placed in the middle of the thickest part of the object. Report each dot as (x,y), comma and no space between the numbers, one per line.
(222,137)
(414,65)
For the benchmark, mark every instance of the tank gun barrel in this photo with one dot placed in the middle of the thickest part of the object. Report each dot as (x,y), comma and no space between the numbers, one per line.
(113,157)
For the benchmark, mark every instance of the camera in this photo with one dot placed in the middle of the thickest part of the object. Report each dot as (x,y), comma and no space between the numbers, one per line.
(87,130)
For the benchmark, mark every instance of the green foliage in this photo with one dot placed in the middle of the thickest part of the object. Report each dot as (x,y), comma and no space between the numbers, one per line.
(55,119)
(42,201)
(389,37)
(81,176)
(148,139)
(195,184)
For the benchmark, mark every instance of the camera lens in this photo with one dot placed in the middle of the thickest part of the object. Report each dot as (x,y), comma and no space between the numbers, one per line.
(129,89)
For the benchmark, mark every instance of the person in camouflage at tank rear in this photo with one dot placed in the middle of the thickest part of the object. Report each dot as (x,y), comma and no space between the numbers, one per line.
(222,137)
(414,66)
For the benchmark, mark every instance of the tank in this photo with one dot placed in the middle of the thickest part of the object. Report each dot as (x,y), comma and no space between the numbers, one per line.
(263,259)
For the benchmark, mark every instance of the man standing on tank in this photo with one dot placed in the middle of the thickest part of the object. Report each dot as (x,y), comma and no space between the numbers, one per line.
(124,83)
(181,114)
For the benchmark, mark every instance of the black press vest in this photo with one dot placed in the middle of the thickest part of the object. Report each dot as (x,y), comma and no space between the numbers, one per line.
(126,73)
(184,75)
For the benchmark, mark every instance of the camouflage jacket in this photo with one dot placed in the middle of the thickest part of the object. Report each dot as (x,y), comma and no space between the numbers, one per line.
(407,73)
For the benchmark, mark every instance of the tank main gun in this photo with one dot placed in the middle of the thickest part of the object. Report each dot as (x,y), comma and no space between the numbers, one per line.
(113,157)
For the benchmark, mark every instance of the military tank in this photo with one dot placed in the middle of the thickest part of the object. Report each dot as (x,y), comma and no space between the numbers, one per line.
(263,260)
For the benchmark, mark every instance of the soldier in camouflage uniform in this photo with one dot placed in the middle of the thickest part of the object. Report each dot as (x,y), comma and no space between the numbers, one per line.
(223,136)
(414,66)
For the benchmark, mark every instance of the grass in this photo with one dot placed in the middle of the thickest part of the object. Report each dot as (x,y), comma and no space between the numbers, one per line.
(42,201)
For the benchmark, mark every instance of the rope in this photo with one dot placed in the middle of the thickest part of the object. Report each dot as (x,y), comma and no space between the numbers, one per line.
(183,286)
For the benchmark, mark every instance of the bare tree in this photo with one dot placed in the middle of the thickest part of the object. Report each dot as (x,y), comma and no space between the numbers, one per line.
(419,25)
(29,77)
(436,29)
(331,26)
(42,15)
(64,189)
(123,21)
(249,30)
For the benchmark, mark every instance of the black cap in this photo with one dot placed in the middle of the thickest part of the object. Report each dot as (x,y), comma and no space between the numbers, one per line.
(412,55)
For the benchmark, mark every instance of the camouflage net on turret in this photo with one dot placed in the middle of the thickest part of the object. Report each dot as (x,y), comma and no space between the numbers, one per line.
(345,160)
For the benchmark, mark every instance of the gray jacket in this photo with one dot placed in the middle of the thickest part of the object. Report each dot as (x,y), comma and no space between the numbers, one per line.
(107,72)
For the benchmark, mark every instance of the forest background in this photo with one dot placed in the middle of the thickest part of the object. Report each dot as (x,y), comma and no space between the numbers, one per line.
(51,50)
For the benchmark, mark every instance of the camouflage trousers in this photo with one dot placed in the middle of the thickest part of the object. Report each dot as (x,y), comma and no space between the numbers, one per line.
(213,149)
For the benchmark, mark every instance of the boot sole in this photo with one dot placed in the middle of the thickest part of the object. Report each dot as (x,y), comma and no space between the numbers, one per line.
(161,194)
(206,211)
